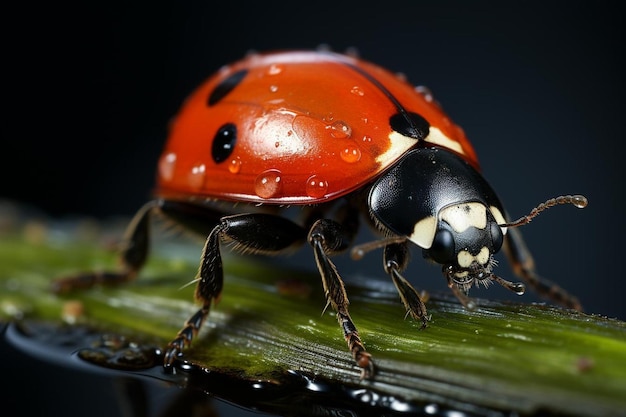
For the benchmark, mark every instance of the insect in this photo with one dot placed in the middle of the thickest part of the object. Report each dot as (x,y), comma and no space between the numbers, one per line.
(344,141)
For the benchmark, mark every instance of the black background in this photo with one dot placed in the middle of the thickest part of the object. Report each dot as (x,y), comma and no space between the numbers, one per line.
(537,86)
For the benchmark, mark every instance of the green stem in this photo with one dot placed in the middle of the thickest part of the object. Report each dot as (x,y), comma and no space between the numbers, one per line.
(503,356)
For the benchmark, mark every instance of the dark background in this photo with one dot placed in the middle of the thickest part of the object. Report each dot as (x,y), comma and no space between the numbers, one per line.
(537,86)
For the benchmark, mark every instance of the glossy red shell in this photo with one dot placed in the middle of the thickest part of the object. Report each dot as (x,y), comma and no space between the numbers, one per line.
(310,128)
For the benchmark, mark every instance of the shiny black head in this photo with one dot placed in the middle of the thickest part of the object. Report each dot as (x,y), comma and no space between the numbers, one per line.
(441,203)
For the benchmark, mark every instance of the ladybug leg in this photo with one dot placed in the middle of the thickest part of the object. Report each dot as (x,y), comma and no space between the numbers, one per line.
(524,266)
(328,237)
(254,232)
(209,288)
(460,294)
(395,260)
(134,251)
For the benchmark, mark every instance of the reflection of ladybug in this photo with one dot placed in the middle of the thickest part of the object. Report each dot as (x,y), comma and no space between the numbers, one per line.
(341,138)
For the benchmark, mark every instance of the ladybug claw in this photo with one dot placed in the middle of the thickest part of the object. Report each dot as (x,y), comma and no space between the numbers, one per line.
(365,362)
(170,356)
(173,351)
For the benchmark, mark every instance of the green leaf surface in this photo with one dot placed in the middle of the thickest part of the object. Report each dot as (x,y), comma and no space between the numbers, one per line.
(510,357)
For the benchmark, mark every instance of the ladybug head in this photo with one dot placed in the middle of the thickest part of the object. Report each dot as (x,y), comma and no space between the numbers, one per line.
(466,238)
(469,234)
(435,199)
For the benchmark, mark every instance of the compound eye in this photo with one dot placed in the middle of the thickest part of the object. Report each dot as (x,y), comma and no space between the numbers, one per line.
(442,249)
(497,237)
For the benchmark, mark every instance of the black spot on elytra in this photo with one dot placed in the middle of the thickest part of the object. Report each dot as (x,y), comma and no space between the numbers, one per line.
(410,124)
(224,142)
(226,86)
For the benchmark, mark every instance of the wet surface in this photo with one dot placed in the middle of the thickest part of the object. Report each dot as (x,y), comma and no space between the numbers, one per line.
(82,354)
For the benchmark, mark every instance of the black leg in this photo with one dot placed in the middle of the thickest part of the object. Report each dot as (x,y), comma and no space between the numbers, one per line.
(256,232)
(134,252)
(395,260)
(459,293)
(328,237)
(135,244)
(523,265)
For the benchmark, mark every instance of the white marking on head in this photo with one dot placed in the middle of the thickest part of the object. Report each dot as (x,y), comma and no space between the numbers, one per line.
(465,259)
(497,215)
(424,232)
(483,256)
(465,215)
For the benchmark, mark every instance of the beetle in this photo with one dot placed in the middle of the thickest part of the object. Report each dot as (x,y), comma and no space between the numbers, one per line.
(344,141)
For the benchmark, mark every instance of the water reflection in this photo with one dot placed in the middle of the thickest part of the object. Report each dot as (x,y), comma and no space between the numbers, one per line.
(76,371)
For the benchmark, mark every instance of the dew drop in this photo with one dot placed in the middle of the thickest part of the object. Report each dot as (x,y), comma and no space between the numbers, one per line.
(351,154)
(340,130)
(357,91)
(196,176)
(251,53)
(268,184)
(316,186)
(167,165)
(273,88)
(401,76)
(234,166)
(367,138)
(274,69)
(425,92)
(352,52)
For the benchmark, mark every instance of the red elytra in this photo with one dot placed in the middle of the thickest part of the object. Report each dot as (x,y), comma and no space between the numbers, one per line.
(311,126)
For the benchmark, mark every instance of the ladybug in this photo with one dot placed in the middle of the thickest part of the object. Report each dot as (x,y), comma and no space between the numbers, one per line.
(343,141)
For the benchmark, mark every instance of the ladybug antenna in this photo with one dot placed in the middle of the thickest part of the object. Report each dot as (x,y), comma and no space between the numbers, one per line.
(359,251)
(517,287)
(577,200)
